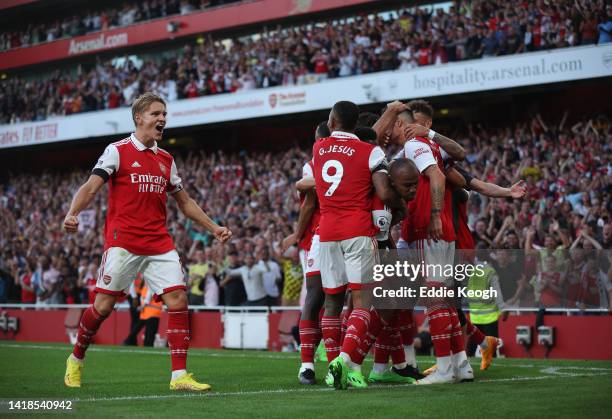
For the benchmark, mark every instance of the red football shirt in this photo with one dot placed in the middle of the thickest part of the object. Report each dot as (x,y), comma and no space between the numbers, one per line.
(343,166)
(425,153)
(313,224)
(139,179)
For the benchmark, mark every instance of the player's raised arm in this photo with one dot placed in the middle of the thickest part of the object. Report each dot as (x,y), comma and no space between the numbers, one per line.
(192,210)
(451,147)
(387,120)
(462,179)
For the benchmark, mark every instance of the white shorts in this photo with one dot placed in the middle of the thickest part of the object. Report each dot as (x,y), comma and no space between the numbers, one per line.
(347,262)
(162,273)
(313,258)
(438,257)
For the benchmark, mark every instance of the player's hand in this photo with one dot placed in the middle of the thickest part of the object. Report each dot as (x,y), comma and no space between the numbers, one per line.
(518,190)
(222,234)
(385,139)
(71,224)
(415,130)
(397,107)
(435,228)
(288,241)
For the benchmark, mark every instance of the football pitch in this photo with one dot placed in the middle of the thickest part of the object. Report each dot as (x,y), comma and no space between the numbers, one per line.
(133,382)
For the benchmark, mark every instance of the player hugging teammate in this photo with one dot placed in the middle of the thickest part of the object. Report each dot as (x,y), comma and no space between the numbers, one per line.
(356,197)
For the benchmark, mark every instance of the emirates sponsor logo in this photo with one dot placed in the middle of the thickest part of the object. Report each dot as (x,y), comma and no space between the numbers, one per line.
(420,151)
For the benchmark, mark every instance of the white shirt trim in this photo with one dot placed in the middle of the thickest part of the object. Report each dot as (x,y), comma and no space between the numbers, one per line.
(140,146)
(342,134)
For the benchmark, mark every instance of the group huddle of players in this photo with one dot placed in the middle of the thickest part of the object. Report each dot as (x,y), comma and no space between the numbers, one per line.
(351,197)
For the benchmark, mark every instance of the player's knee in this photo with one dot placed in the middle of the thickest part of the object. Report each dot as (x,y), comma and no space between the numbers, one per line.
(104,304)
(333,304)
(176,300)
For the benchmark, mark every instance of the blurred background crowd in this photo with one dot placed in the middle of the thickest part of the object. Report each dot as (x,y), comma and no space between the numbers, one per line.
(303,54)
(551,249)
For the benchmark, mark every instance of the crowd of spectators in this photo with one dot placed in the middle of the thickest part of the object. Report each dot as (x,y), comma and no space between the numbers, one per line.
(116,16)
(314,52)
(550,249)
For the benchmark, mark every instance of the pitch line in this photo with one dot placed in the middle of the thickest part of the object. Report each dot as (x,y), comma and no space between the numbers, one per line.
(316,390)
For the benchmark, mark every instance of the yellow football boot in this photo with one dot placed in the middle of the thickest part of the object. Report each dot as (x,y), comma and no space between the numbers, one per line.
(73,373)
(188,383)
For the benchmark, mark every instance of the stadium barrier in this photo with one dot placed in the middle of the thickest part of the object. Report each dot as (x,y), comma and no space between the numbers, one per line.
(579,334)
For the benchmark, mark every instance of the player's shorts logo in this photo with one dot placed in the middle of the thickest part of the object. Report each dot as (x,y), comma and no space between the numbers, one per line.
(163,168)
(107,279)
(273,99)
(310,263)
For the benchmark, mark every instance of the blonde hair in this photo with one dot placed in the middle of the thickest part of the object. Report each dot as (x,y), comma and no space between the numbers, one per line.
(143,102)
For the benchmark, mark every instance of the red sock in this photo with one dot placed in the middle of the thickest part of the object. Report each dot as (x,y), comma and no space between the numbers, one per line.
(376,325)
(356,332)
(310,336)
(88,327)
(382,347)
(344,319)
(398,356)
(178,334)
(406,326)
(441,329)
(330,329)
(457,341)
(474,333)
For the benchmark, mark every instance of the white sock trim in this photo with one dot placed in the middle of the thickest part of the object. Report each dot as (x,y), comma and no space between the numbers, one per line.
(178,373)
(307,365)
(75,359)
(379,368)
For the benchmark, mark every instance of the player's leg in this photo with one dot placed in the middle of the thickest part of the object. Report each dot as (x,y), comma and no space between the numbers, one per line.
(333,277)
(310,328)
(360,255)
(117,269)
(151,327)
(489,344)
(164,276)
(439,311)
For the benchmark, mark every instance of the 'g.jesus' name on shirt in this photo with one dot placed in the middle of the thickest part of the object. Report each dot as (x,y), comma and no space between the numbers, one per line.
(349,151)
(149,183)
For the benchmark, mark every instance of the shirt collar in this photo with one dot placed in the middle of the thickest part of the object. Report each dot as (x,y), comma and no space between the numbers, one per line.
(342,134)
(140,146)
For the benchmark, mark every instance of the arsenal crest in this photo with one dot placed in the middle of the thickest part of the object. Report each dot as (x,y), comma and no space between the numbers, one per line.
(163,168)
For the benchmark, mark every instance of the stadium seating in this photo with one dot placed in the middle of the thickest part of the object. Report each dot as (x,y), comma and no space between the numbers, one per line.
(306,54)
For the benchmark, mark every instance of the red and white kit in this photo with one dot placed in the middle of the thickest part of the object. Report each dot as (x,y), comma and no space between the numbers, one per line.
(425,153)
(136,237)
(309,243)
(343,167)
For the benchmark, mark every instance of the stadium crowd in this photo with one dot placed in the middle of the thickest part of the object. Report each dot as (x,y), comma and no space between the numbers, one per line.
(311,53)
(561,232)
(116,16)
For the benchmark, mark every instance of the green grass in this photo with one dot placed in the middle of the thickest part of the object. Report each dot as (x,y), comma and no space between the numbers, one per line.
(133,382)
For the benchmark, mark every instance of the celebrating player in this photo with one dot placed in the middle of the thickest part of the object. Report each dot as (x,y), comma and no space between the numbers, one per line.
(139,174)
(346,170)
(306,233)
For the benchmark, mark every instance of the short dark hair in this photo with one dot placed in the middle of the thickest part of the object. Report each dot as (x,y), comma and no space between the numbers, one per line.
(322,130)
(366,134)
(398,165)
(346,113)
(367,119)
(421,106)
